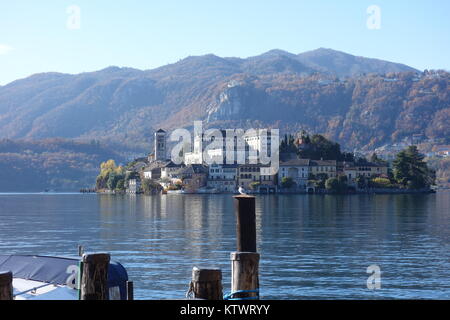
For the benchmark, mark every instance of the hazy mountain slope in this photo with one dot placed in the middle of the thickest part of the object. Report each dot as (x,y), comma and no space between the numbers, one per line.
(56,164)
(347,65)
(277,89)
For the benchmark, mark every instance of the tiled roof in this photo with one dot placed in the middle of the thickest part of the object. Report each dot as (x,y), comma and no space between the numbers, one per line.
(323,163)
(296,162)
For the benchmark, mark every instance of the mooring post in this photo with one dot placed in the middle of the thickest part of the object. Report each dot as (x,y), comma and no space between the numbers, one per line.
(130,290)
(244,275)
(207,284)
(245,262)
(245,223)
(94,276)
(6,288)
(80,250)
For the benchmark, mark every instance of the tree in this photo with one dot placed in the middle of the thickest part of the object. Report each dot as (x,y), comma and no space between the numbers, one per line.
(150,186)
(343,183)
(287,144)
(319,180)
(375,159)
(361,182)
(254,185)
(112,181)
(318,147)
(287,182)
(337,185)
(108,165)
(411,171)
(332,184)
(120,185)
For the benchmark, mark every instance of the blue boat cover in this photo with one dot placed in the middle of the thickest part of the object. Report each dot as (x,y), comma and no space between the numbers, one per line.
(57,270)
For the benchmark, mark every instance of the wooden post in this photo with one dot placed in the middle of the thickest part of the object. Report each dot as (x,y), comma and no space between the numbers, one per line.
(207,284)
(80,250)
(6,288)
(245,262)
(244,274)
(130,290)
(245,223)
(94,276)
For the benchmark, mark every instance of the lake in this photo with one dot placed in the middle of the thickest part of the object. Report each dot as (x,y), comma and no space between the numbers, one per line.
(311,246)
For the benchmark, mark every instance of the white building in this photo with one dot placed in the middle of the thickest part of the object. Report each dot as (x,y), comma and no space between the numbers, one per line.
(297,170)
(134,186)
(259,143)
(228,147)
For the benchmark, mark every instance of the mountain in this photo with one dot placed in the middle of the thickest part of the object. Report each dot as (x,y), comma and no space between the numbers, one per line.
(58,164)
(360,102)
(346,65)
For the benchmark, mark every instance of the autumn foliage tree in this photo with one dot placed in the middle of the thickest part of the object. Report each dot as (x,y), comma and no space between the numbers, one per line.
(110,176)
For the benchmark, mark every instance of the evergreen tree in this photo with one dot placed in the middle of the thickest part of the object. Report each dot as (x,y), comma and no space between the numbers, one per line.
(411,171)
(375,159)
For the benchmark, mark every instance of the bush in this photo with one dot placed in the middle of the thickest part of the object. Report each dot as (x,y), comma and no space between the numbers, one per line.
(254,185)
(287,183)
(380,182)
(332,184)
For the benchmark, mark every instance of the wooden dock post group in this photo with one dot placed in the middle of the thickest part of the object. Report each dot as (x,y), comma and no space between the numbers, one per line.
(207,283)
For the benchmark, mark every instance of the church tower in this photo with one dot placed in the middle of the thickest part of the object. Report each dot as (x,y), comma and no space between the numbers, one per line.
(160,145)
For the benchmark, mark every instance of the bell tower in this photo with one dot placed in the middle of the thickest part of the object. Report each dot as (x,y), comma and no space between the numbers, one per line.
(160,145)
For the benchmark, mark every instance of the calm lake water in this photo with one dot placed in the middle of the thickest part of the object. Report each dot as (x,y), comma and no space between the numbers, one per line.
(312,246)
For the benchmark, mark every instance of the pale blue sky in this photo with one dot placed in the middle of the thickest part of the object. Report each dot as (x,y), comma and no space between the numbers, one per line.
(147,34)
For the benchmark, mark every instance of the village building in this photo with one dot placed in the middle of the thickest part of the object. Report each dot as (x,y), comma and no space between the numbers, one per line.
(192,177)
(134,186)
(223,177)
(224,147)
(153,170)
(168,169)
(247,174)
(297,170)
(268,179)
(328,167)
(366,170)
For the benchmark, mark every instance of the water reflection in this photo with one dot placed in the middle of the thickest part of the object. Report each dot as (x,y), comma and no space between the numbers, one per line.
(311,246)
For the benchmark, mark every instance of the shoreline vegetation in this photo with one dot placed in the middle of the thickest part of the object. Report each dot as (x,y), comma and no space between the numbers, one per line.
(407,173)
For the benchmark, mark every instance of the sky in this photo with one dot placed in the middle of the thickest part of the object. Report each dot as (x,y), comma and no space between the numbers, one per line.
(87,35)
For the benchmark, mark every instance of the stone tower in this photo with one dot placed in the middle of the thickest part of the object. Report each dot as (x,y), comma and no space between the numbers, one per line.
(160,145)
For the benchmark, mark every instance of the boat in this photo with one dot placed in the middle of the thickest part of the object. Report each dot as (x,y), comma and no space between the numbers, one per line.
(175,191)
(55,278)
(207,190)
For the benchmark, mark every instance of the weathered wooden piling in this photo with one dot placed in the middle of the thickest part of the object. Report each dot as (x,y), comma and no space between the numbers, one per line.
(94,276)
(130,290)
(207,284)
(244,272)
(245,262)
(6,288)
(245,223)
